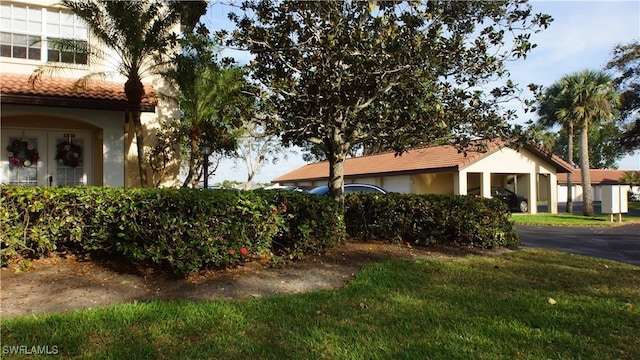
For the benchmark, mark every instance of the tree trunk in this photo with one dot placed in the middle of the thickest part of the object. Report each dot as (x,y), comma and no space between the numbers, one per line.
(142,163)
(587,198)
(570,175)
(336,176)
(134,90)
(192,164)
(337,152)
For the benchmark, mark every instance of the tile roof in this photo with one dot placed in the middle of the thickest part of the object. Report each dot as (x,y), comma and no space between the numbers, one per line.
(598,176)
(426,159)
(16,88)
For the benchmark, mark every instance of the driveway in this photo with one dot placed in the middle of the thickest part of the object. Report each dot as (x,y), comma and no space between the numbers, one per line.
(619,243)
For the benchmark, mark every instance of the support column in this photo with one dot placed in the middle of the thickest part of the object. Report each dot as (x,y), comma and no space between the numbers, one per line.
(485,184)
(553,193)
(460,183)
(533,193)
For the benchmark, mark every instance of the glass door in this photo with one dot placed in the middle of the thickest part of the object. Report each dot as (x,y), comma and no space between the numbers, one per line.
(45,158)
(22,163)
(69,158)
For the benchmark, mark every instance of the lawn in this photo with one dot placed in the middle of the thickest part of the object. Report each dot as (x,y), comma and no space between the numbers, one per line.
(577,219)
(527,304)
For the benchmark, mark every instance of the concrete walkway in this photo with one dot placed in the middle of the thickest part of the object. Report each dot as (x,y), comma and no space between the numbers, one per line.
(620,243)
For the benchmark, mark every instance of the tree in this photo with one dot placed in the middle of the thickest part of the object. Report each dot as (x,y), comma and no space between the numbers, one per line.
(631,178)
(626,61)
(552,101)
(257,146)
(212,99)
(344,73)
(141,34)
(604,150)
(592,99)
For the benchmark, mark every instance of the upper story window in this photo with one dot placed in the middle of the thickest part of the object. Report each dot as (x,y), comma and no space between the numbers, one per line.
(26,30)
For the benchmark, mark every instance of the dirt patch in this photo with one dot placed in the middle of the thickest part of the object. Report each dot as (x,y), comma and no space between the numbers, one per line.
(62,284)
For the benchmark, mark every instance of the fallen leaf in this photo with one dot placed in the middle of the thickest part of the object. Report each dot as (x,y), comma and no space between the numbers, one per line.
(552,301)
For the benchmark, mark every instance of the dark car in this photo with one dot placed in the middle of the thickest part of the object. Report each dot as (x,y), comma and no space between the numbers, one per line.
(350,188)
(514,201)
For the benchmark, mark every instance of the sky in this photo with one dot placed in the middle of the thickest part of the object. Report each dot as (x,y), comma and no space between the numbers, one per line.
(581,37)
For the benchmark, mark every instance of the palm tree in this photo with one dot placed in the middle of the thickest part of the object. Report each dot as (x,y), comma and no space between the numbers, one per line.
(552,103)
(213,100)
(631,178)
(140,35)
(592,99)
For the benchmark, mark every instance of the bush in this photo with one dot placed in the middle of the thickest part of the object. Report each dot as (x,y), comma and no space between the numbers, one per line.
(427,219)
(182,229)
(189,229)
(311,223)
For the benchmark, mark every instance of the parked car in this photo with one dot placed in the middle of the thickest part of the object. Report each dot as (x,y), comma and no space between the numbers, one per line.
(350,188)
(287,187)
(514,201)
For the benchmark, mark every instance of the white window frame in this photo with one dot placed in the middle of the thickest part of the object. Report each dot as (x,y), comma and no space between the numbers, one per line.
(76,31)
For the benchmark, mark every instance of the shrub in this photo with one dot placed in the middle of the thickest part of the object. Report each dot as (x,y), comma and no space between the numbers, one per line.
(427,219)
(311,223)
(182,229)
(189,229)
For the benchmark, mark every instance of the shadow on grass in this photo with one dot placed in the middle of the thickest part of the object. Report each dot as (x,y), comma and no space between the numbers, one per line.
(474,307)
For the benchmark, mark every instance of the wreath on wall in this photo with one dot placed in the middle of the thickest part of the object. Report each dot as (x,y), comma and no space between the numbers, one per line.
(68,154)
(21,153)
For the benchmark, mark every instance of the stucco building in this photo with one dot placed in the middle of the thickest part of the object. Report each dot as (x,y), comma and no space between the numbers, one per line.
(529,171)
(53,132)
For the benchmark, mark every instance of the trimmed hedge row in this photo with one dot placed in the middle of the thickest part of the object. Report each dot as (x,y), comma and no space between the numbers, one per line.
(183,229)
(427,219)
(189,229)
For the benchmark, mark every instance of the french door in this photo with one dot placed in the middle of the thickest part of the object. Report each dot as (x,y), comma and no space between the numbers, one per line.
(46,157)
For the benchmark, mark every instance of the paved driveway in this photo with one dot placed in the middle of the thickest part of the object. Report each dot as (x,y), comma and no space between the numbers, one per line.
(620,243)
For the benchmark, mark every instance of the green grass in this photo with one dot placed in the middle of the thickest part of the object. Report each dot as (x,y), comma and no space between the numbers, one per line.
(575,219)
(493,307)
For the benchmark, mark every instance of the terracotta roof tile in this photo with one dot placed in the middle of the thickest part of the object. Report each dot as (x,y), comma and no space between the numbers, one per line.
(598,176)
(63,88)
(426,159)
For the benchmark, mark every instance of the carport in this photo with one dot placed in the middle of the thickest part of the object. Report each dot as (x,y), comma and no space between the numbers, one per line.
(528,171)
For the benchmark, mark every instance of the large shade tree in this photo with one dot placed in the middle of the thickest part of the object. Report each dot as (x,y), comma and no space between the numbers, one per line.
(392,73)
(135,40)
(626,62)
(604,149)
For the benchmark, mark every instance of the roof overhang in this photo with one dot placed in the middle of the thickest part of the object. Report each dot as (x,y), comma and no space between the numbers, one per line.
(76,103)
(561,165)
(18,89)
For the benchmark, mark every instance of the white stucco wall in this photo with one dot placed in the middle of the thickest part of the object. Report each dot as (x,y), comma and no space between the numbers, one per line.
(110,121)
(523,163)
(399,184)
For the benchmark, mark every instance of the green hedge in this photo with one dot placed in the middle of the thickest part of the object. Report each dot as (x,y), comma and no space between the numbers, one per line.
(427,219)
(183,229)
(189,229)
(310,227)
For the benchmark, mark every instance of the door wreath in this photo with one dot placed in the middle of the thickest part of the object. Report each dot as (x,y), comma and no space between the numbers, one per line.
(21,153)
(68,154)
